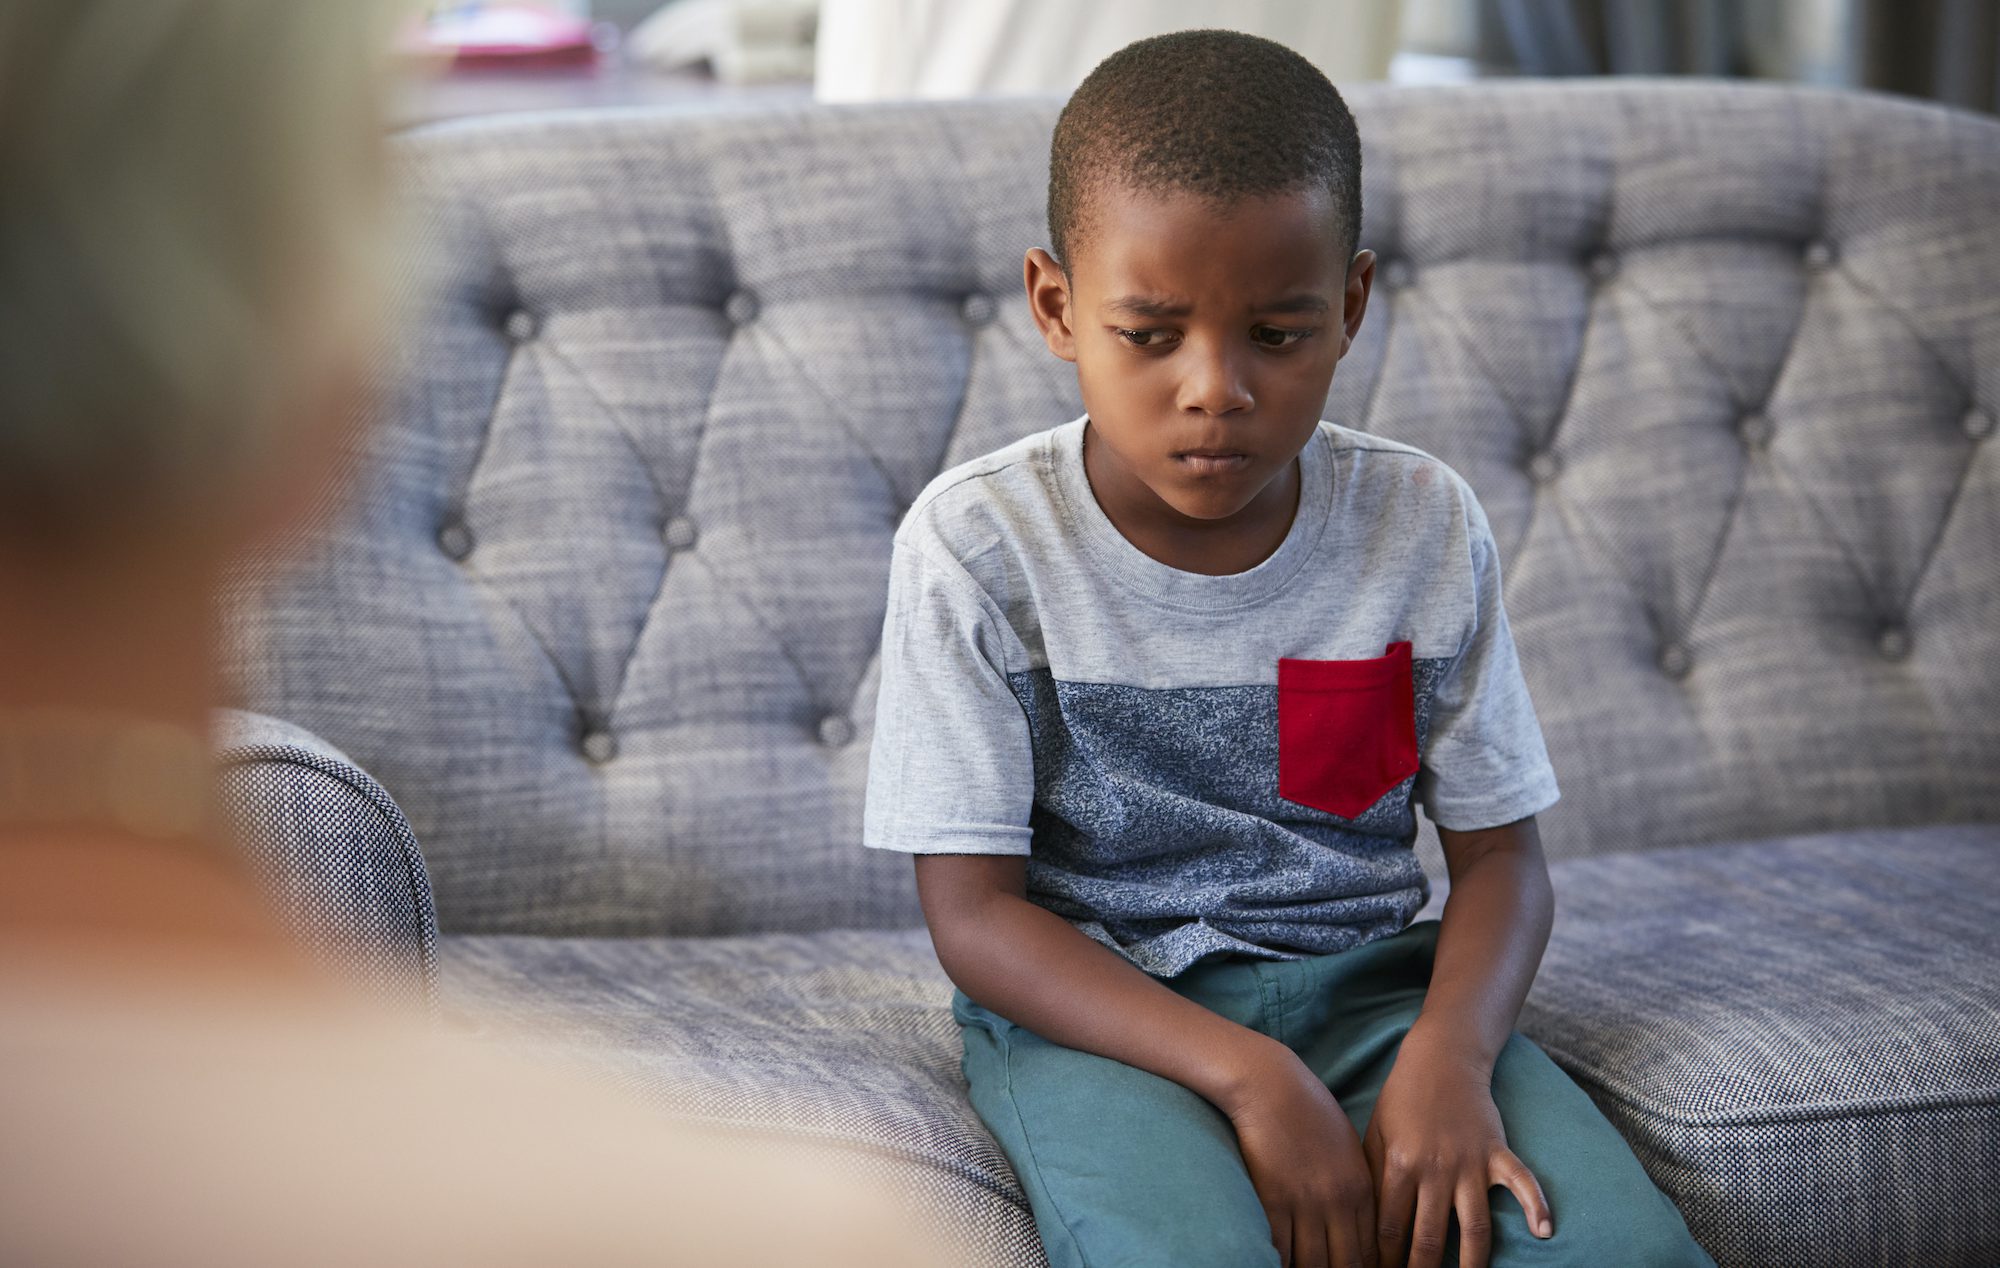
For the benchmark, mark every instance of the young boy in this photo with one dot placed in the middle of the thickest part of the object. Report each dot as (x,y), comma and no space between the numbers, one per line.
(1159,686)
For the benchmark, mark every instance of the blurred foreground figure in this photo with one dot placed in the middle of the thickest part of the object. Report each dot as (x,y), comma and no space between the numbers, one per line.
(193,241)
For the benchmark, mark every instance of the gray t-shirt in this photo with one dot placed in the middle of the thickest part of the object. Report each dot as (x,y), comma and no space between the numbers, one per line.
(1199,764)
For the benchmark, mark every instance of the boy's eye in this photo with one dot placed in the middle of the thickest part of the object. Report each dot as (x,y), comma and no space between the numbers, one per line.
(1286,338)
(1160,338)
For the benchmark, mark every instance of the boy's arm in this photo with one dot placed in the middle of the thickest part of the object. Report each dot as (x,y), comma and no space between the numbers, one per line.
(1486,764)
(1031,966)
(1490,941)
(1436,1142)
(1037,970)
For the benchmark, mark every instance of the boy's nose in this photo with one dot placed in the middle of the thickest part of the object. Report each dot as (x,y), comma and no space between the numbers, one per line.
(1215,384)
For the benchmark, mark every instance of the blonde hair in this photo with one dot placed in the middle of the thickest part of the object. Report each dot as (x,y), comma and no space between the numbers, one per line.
(193,221)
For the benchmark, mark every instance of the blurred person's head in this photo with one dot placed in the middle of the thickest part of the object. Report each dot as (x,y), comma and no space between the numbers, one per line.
(192,198)
(194,209)
(1204,206)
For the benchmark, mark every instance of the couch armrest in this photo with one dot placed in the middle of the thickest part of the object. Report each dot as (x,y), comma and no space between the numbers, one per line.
(335,852)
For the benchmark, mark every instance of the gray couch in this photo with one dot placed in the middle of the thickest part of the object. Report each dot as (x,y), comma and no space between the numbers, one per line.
(603,612)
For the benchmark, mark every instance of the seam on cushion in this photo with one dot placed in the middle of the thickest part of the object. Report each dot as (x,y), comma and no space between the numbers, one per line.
(609,705)
(417,877)
(1007,1063)
(482,222)
(1878,1107)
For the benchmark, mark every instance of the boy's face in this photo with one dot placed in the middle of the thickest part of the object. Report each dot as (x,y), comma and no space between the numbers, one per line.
(1198,327)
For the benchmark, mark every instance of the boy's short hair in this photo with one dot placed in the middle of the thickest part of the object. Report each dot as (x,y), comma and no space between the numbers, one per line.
(1221,114)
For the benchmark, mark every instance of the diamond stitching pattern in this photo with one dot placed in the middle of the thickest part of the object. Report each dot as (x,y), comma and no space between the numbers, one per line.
(794,442)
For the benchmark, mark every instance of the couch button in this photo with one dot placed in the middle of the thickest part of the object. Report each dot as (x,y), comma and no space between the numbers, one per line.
(1893,642)
(1603,266)
(1819,254)
(1544,466)
(1675,660)
(978,309)
(1397,274)
(455,539)
(835,730)
(599,746)
(520,325)
(1978,423)
(679,533)
(740,308)
(1754,430)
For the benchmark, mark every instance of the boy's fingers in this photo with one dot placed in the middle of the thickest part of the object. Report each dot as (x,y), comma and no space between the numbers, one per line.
(1340,1249)
(1364,1237)
(1509,1170)
(1428,1233)
(1475,1226)
(1281,1235)
(1309,1242)
(1392,1219)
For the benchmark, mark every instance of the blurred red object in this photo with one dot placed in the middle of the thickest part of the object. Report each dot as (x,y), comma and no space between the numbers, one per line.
(510,36)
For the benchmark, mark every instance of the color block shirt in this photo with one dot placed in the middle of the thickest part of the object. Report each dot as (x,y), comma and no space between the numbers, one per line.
(1197,764)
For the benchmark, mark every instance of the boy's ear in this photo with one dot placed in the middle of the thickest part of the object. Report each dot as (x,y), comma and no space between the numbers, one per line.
(1049,301)
(1354,299)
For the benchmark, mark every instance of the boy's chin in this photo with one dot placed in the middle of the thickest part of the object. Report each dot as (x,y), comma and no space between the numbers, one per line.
(1206,504)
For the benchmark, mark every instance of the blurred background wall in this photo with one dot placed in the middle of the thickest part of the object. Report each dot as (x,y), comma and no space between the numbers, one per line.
(640,51)
(1943,49)
(951,48)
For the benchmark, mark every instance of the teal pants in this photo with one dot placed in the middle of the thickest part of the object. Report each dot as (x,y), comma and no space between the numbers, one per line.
(1126,1169)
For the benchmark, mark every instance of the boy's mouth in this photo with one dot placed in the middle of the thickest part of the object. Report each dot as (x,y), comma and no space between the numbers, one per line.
(1212,461)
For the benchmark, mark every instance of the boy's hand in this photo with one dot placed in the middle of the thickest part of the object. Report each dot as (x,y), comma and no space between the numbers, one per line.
(1307,1164)
(1436,1143)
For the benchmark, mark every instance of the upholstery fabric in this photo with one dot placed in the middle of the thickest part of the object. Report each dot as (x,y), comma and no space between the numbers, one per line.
(842,1036)
(1799,1037)
(335,853)
(1721,361)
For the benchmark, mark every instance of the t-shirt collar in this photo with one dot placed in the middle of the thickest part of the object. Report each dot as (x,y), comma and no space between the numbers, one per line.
(1175,586)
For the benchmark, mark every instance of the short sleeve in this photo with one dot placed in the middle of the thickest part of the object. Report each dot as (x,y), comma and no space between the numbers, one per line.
(950,767)
(1484,762)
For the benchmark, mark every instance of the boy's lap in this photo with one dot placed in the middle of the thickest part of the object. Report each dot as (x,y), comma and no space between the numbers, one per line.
(1605,1207)
(1134,1167)
(1126,1160)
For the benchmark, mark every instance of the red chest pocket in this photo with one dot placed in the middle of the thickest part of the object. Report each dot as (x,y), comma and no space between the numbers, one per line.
(1347,730)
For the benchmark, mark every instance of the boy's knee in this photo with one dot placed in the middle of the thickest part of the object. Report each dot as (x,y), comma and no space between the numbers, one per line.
(1232,1246)
(1639,1235)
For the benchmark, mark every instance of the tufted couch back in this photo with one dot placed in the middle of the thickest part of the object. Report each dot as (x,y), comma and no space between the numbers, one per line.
(1721,361)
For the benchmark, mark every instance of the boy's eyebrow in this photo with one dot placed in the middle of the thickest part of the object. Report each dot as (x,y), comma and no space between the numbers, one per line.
(1145,306)
(1297,304)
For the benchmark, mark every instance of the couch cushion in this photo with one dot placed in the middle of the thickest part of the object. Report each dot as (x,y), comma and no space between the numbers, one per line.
(603,607)
(1798,1036)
